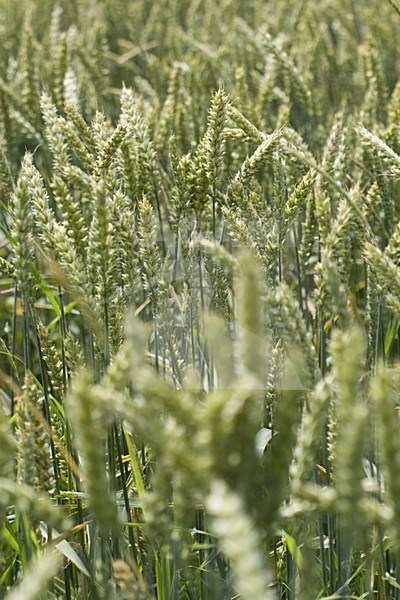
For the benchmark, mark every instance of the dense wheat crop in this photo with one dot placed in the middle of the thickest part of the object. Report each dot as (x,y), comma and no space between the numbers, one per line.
(199,299)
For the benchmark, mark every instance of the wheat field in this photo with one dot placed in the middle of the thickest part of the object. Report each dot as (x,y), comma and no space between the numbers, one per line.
(199,299)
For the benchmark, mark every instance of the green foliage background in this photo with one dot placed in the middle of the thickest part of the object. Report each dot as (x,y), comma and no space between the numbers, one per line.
(199,299)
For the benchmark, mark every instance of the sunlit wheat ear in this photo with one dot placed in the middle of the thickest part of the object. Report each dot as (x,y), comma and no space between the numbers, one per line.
(215,136)
(251,165)
(392,132)
(387,274)
(275,366)
(284,313)
(231,522)
(148,249)
(219,266)
(210,153)
(298,198)
(54,134)
(21,231)
(374,144)
(44,217)
(310,435)
(237,227)
(323,200)
(102,265)
(174,117)
(76,145)
(141,146)
(34,458)
(52,358)
(309,248)
(54,236)
(27,433)
(6,177)
(341,243)
(334,271)
(330,293)
(244,129)
(393,247)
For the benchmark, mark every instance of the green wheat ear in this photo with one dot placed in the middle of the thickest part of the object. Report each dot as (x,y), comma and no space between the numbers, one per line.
(6,463)
(21,231)
(88,410)
(230,521)
(349,354)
